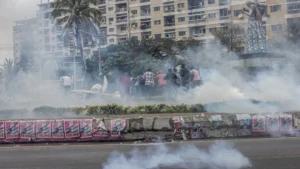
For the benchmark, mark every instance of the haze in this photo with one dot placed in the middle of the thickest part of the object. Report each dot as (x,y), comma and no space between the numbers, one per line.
(10,11)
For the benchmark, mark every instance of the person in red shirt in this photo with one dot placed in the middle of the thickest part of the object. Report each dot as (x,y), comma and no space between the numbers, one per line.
(160,81)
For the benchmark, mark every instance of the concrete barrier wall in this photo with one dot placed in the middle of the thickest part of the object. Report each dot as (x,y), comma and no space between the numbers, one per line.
(150,129)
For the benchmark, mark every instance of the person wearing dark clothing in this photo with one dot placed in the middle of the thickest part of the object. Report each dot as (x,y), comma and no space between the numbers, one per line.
(171,79)
(185,76)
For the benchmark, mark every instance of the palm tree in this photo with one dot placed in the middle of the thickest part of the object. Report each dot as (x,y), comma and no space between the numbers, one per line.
(77,16)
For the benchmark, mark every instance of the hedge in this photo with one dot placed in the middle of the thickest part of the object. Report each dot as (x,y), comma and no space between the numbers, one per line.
(114,109)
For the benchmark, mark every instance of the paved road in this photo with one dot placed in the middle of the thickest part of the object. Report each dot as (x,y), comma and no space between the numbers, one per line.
(279,153)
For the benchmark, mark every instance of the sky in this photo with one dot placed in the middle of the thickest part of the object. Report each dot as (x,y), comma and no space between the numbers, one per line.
(10,11)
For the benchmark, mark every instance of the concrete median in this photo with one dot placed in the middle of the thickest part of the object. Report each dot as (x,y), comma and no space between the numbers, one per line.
(200,126)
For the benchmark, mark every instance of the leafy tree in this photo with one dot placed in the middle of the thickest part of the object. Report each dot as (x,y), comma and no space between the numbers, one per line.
(231,36)
(76,17)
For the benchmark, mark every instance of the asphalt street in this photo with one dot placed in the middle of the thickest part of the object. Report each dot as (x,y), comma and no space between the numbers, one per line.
(267,153)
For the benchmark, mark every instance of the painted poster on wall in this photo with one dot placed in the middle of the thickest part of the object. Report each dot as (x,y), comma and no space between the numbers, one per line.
(58,129)
(86,128)
(286,123)
(2,131)
(258,123)
(272,123)
(71,127)
(43,129)
(100,129)
(243,124)
(118,125)
(27,129)
(12,129)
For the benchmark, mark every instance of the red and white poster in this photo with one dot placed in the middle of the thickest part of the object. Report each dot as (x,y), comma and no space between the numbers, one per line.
(258,123)
(117,125)
(243,124)
(286,122)
(43,129)
(71,128)
(100,129)
(58,129)
(12,129)
(2,131)
(86,128)
(27,129)
(272,123)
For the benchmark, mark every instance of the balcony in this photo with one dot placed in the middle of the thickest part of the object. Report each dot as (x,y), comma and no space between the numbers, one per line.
(145,10)
(169,8)
(122,19)
(223,2)
(169,20)
(197,31)
(195,4)
(170,35)
(293,8)
(144,1)
(145,25)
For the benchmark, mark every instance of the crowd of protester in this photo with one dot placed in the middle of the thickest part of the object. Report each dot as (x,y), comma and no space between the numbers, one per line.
(158,84)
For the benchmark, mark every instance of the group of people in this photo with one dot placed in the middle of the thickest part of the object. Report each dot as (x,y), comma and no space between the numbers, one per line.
(167,84)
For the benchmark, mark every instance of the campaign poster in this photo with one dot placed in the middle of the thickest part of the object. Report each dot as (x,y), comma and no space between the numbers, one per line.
(258,123)
(71,128)
(27,129)
(12,129)
(118,125)
(86,128)
(2,131)
(243,124)
(272,123)
(43,129)
(100,129)
(58,129)
(286,122)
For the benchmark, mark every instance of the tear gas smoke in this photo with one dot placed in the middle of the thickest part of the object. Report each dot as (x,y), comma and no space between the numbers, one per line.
(220,155)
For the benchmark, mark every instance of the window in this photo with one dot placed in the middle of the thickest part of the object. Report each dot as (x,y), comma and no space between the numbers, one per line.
(111,40)
(293,7)
(275,8)
(211,1)
(133,12)
(212,15)
(110,9)
(237,12)
(181,19)
(181,5)
(111,29)
(157,36)
(46,15)
(111,19)
(224,12)
(276,28)
(157,22)
(182,33)
(157,8)
(212,30)
(123,27)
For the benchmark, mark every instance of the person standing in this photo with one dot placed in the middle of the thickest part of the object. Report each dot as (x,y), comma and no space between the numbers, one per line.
(185,76)
(149,81)
(172,84)
(161,82)
(195,78)
(125,81)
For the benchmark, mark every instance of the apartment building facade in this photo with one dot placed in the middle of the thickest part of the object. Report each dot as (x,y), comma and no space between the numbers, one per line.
(24,31)
(178,19)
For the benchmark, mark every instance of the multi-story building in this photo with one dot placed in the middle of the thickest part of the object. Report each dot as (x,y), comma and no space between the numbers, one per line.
(24,31)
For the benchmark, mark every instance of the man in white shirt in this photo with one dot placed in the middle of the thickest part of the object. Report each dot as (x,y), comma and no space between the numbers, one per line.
(66,82)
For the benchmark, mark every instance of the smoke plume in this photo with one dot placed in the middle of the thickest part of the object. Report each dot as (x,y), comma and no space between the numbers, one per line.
(220,155)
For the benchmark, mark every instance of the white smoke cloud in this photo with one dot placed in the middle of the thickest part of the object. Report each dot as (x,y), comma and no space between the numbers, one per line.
(220,155)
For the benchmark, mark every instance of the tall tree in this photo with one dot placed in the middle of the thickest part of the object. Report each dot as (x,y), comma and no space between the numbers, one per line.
(231,36)
(76,17)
